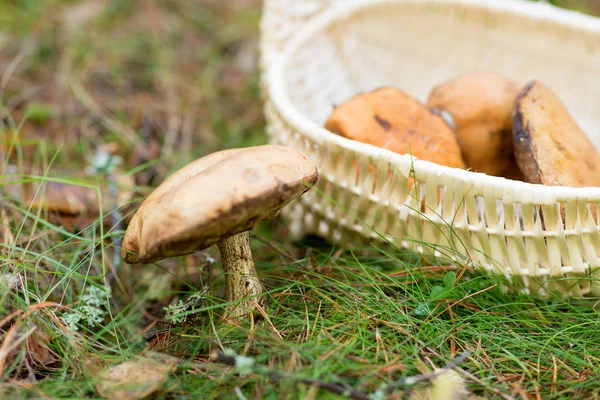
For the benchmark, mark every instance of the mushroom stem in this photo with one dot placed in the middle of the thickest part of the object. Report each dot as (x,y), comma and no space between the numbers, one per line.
(241,279)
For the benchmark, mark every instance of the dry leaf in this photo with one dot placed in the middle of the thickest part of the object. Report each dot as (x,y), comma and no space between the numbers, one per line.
(39,353)
(133,380)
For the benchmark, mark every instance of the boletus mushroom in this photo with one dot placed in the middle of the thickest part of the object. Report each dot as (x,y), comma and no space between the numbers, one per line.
(479,106)
(69,199)
(550,147)
(218,199)
(391,119)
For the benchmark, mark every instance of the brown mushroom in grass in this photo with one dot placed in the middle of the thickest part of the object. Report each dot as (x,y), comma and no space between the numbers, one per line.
(218,199)
(478,106)
(69,199)
(550,148)
(131,248)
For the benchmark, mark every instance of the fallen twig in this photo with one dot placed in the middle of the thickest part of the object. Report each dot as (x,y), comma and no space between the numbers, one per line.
(335,387)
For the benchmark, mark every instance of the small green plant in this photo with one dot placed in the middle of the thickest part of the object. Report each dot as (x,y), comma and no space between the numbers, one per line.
(38,112)
(437,293)
(178,313)
(441,293)
(91,308)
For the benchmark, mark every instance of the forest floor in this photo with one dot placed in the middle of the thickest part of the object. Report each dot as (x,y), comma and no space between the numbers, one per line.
(152,85)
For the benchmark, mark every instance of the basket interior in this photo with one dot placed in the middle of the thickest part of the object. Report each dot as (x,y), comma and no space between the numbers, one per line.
(417,45)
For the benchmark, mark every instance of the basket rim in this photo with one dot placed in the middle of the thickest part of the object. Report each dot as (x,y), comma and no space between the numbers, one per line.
(275,87)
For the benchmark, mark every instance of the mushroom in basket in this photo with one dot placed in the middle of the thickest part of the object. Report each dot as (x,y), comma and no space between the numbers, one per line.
(479,108)
(218,199)
(391,119)
(550,147)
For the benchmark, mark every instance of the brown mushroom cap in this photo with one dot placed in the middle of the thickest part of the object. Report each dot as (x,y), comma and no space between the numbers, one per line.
(130,247)
(231,196)
(391,119)
(550,147)
(62,197)
(481,106)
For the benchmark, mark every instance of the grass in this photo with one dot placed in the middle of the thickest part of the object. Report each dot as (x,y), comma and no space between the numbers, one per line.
(159,83)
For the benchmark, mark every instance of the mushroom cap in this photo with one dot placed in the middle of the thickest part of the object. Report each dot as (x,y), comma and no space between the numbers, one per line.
(550,147)
(389,118)
(130,247)
(62,197)
(481,106)
(221,195)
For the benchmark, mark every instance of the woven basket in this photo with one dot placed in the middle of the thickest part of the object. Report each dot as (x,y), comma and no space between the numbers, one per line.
(317,53)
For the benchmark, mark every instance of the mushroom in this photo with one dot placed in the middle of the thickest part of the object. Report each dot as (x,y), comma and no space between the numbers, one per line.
(61,197)
(478,106)
(218,199)
(389,118)
(550,148)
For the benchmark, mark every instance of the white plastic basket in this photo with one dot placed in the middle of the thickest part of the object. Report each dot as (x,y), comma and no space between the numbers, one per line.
(317,53)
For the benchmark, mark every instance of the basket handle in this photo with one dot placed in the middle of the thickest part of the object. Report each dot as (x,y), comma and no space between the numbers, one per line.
(281,18)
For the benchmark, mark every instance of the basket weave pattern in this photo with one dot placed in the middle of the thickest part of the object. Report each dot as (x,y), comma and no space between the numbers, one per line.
(315,54)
